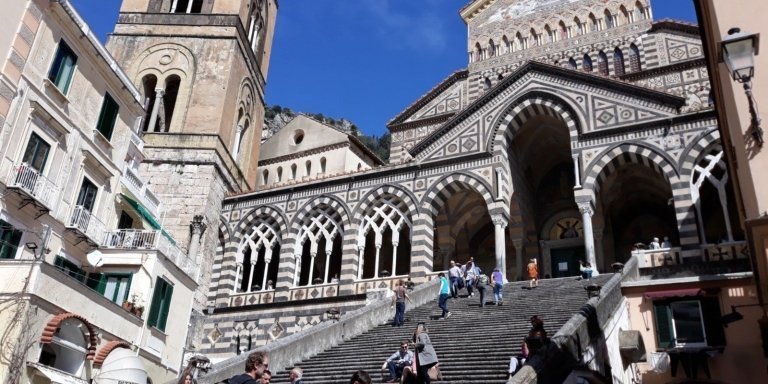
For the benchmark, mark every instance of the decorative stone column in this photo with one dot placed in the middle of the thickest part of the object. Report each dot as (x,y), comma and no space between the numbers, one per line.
(197,226)
(500,224)
(518,243)
(238,137)
(159,93)
(360,260)
(576,172)
(589,241)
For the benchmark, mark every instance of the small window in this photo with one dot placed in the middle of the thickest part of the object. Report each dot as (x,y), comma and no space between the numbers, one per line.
(618,62)
(115,286)
(279,174)
(67,350)
(87,196)
(36,153)
(186,6)
(322,165)
(10,238)
(161,303)
(688,323)
(298,137)
(265,177)
(602,63)
(293,171)
(107,117)
(70,268)
(63,67)
(308,165)
(586,63)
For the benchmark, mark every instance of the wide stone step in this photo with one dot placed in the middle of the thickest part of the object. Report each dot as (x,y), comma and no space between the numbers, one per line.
(474,344)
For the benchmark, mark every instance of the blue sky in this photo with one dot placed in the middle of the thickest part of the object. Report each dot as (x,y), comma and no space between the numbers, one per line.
(365,60)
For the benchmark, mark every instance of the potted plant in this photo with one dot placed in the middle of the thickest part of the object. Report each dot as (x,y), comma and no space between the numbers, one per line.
(128,305)
(138,305)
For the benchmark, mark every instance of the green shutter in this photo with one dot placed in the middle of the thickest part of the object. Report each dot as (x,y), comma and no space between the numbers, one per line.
(97,282)
(663,318)
(154,309)
(710,309)
(165,308)
(107,117)
(63,67)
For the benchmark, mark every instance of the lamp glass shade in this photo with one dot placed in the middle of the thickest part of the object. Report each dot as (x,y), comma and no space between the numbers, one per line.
(739,55)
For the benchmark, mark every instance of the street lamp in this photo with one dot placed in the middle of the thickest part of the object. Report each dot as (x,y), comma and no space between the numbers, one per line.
(739,51)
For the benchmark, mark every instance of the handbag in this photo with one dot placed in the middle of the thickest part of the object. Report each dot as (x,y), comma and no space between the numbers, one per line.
(434,372)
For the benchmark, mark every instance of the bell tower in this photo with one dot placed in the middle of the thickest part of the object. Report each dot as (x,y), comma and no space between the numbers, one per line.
(201,66)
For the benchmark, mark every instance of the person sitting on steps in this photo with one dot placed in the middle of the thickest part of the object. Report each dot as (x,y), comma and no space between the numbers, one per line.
(397,362)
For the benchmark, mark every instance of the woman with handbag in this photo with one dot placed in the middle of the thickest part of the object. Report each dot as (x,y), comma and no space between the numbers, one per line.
(426,357)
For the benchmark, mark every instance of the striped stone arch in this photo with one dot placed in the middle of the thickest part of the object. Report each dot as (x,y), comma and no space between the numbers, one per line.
(695,150)
(531,104)
(606,164)
(367,203)
(254,216)
(443,189)
(337,205)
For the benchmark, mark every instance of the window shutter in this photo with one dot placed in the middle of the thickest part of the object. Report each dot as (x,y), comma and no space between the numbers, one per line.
(663,324)
(154,309)
(165,308)
(710,309)
(107,117)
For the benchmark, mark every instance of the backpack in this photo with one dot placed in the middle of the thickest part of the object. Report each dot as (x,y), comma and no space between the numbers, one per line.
(483,279)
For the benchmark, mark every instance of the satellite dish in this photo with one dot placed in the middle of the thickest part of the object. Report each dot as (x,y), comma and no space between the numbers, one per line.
(95,258)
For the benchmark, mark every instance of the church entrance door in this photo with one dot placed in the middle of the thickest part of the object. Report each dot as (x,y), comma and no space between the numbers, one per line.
(565,261)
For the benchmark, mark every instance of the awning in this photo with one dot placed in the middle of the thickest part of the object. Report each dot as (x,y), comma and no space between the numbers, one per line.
(147,216)
(56,376)
(674,293)
(121,366)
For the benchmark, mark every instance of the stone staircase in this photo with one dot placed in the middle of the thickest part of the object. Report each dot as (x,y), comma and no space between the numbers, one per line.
(474,345)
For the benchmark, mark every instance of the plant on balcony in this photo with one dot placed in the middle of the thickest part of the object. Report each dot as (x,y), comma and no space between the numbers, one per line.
(134,305)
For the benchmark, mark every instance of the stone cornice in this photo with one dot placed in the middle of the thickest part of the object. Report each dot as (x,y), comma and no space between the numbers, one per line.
(420,123)
(688,64)
(666,122)
(677,26)
(309,152)
(429,96)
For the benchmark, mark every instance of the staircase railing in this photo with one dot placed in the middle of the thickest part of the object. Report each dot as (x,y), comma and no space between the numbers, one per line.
(29,180)
(290,350)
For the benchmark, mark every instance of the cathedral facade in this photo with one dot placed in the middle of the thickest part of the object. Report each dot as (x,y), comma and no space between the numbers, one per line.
(578,130)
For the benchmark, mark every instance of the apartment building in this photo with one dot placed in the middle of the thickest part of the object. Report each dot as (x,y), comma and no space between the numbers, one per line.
(90,280)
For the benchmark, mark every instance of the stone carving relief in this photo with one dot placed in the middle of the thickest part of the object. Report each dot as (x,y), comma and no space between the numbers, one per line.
(166,57)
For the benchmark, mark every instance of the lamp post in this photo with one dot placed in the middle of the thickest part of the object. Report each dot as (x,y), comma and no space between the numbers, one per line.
(739,50)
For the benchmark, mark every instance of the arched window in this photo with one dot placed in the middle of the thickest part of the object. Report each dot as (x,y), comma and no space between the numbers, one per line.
(593,26)
(318,250)
(68,349)
(618,62)
(279,174)
(308,166)
(478,52)
(534,38)
(487,83)
(586,63)
(293,171)
(602,63)
(634,58)
(265,177)
(172,84)
(383,239)
(519,42)
(359,166)
(624,15)
(322,165)
(551,34)
(639,13)
(507,46)
(186,6)
(563,31)
(240,136)
(610,22)
(149,83)
(257,257)
(711,98)
(491,48)
(571,63)
(578,27)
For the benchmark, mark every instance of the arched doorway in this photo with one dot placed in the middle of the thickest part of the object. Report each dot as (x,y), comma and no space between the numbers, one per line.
(463,229)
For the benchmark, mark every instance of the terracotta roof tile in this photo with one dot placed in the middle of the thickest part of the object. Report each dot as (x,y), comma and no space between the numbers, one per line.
(108,348)
(53,326)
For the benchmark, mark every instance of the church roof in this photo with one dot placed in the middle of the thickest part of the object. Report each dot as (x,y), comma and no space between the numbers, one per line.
(427,97)
(607,82)
(675,26)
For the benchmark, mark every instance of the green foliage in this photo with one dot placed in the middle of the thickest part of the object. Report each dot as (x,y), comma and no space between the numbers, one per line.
(377,144)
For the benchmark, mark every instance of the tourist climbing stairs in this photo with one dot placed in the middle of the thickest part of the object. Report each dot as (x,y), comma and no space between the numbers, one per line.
(474,344)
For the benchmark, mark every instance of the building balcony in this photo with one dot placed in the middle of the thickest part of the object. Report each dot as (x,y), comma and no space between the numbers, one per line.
(139,189)
(86,225)
(33,187)
(716,259)
(148,240)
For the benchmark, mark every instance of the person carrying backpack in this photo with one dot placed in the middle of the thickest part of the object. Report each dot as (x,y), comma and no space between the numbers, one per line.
(481,285)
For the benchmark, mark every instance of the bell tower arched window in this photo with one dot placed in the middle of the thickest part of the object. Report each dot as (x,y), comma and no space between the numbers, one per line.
(149,83)
(172,84)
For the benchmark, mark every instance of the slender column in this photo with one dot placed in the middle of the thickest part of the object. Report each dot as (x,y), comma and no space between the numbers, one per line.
(250,273)
(159,93)
(197,226)
(518,243)
(361,253)
(189,6)
(236,147)
(173,5)
(311,267)
(576,171)
(394,258)
(500,223)
(376,265)
(267,260)
(328,252)
(237,277)
(589,241)
(297,270)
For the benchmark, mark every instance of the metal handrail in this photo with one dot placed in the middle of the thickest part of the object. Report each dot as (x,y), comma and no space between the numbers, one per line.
(87,223)
(28,179)
(140,239)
